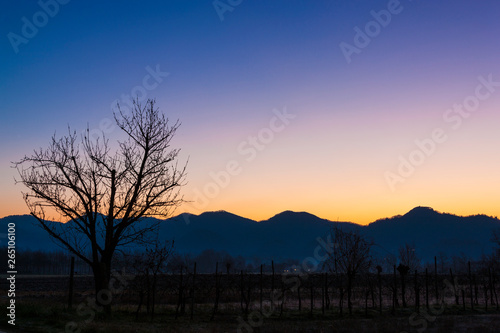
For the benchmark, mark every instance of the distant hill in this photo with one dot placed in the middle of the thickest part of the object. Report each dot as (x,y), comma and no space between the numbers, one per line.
(433,232)
(28,234)
(294,234)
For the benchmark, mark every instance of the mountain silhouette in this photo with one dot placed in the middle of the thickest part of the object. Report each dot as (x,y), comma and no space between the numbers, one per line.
(294,235)
(432,232)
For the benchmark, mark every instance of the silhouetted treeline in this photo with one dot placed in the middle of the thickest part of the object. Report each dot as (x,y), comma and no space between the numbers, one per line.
(58,263)
(45,263)
(207,260)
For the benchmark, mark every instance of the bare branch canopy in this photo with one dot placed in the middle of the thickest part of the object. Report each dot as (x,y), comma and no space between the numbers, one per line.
(105,191)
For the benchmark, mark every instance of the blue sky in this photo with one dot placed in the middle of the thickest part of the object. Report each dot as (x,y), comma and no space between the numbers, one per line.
(227,76)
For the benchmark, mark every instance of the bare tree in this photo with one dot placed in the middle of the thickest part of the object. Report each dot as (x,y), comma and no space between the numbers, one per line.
(443,261)
(496,239)
(149,264)
(493,259)
(408,257)
(105,195)
(408,262)
(350,256)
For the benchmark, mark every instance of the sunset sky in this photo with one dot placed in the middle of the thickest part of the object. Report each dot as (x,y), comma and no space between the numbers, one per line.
(349,110)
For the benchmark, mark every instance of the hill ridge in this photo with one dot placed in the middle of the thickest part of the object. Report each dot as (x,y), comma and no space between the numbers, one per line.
(292,234)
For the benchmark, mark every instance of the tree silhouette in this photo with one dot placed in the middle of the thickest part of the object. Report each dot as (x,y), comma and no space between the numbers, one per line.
(104,195)
(149,264)
(408,257)
(408,262)
(350,255)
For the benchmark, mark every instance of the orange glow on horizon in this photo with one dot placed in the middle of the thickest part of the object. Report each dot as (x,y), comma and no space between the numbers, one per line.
(347,213)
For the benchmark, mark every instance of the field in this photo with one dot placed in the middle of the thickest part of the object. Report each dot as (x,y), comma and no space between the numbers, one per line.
(242,303)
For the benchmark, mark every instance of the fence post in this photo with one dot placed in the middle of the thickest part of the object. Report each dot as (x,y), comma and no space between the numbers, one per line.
(71,283)
(312,293)
(327,296)
(395,294)
(492,302)
(486,297)
(457,302)
(463,298)
(379,270)
(217,291)
(436,279)
(417,293)
(476,292)
(192,291)
(272,286)
(261,286)
(323,294)
(298,294)
(471,290)
(426,289)
(493,279)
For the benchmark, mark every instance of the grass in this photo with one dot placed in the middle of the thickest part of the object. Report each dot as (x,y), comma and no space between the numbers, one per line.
(43,315)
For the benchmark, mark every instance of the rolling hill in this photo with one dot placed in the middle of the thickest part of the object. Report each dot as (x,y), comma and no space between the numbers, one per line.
(294,234)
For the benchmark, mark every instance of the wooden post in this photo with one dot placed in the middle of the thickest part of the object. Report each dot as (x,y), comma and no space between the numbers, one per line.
(395,298)
(417,293)
(71,283)
(379,290)
(476,291)
(426,289)
(457,302)
(298,295)
(436,279)
(463,298)
(490,284)
(261,286)
(323,300)
(283,290)
(323,297)
(341,298)
(367,292)
(181,297)
(471,290)
(312,293)
(242,290)
(272,286)
(192,291)
(217,291)
(493,281)
(372,292)
(327,296)
(486,297)
(178,309)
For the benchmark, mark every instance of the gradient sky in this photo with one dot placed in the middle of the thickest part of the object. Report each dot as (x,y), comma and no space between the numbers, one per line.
(353,122)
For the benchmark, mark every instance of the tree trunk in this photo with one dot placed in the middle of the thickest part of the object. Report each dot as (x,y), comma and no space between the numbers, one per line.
(403,290)
(349,292)
(102,276)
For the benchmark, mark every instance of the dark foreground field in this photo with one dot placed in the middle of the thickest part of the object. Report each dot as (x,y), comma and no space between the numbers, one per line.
(41,306)
(40,317)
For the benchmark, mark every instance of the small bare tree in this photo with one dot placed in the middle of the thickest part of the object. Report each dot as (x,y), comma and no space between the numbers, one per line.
(494,257)
(148,265)
(408,257)
(495,238)
(409,262)
(103,195)
(350,256)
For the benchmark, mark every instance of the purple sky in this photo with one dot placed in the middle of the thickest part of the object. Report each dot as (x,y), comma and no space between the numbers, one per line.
(348,148)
